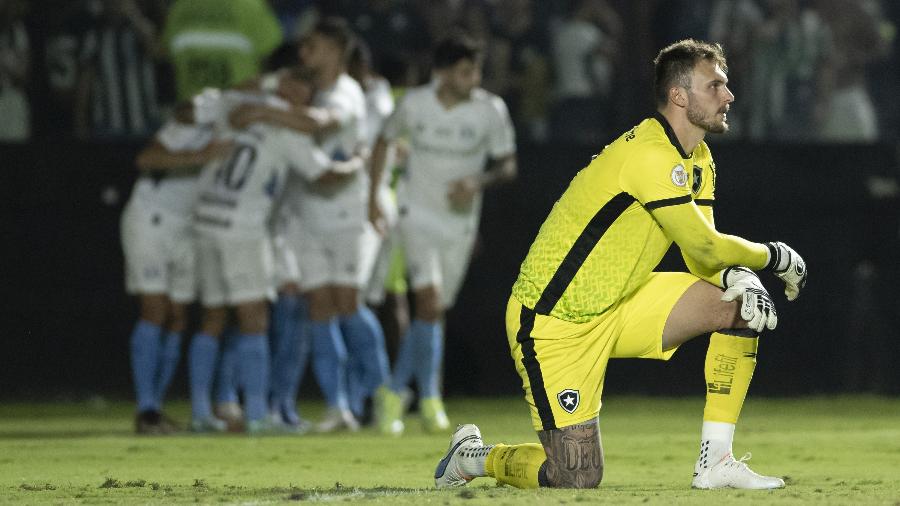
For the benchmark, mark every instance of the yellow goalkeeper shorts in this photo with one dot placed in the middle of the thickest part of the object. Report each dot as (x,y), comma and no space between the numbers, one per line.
(562,364)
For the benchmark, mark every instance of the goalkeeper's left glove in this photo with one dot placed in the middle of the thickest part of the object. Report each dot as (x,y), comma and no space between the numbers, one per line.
(787,265)
(757,307)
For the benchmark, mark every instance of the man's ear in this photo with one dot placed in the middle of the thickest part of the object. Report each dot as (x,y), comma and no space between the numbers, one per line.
(678,96)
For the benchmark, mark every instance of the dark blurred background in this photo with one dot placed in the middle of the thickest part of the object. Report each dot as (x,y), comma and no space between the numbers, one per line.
(813,159)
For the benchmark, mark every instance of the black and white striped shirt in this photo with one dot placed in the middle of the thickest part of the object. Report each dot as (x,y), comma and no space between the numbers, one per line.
(124,98)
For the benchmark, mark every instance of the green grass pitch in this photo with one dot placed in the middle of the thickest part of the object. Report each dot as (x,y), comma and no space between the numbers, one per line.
(834,450)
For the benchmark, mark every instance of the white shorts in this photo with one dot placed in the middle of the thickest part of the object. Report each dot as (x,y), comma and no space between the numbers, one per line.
(234,270)
(342,258)
(287,269)
(159,253)
(435,259)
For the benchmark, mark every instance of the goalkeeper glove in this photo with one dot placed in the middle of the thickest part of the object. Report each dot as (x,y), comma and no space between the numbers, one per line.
(757,307)
(787,265)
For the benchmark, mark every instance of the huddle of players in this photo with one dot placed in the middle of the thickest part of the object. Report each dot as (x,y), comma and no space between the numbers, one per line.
(259,199)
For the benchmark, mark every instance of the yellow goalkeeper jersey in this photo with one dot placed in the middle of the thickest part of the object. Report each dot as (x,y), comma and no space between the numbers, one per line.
(600,241)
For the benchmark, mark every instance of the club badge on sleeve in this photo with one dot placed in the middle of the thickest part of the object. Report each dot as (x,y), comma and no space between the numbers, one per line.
(679,176)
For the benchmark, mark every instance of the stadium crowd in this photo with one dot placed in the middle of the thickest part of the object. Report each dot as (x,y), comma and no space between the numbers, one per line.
(261,118)
(829,65)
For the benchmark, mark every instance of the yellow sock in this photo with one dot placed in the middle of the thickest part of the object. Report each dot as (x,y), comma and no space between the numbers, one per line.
(730,361)
(516,465)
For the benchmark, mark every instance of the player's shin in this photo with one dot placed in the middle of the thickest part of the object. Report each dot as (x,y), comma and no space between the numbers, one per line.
(169,356)
(283,334)
(253,372)
(515,465)
(145,344)
(730,361)
(429,351)
(201,368)
(368,364)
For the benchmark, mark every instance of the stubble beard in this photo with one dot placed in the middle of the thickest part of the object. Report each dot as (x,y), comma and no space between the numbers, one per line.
(708,123)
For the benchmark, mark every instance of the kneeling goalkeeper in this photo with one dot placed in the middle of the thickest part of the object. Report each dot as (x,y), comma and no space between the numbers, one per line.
(587,292)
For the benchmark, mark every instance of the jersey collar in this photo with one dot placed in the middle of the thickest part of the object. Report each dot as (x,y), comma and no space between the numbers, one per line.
(670,134)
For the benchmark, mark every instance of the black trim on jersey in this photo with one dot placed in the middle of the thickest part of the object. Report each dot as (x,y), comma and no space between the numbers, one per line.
(674,201)
(582,247)
(533,369)
(704,202)
(673,139)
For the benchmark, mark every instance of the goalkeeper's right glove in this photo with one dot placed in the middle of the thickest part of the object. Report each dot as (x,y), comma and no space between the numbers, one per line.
(757,307)
(787,265)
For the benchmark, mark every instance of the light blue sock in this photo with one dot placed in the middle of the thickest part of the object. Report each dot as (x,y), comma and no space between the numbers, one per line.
(202,357)
(302,347)
(169,356)
(253,372)
(226,373)
(282,333)
(405,364)
(429,357)
(144,357)
(330,362)
(367,364)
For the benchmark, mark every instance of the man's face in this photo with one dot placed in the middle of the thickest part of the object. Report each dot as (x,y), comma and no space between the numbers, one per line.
(462,77)
(709,97)
(318,51)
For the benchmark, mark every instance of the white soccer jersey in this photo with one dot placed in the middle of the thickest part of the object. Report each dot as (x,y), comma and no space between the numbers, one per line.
(173,195)
(343,207)
(446,145)
(236,195)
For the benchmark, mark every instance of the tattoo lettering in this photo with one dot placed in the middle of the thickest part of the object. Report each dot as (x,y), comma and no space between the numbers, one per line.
(574,456)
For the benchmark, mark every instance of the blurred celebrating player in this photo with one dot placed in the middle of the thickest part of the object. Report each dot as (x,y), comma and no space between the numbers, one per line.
(587,292)
(334,243)
(159,257)
(454,128)
(236,197)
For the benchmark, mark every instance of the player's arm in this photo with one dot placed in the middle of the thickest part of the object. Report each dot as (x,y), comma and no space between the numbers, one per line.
(341,170)
(376,171)
(392,128)
(463,191)
(156,157)
(306,120)
(710,275)
(710,249)
(709,252)
(314,165)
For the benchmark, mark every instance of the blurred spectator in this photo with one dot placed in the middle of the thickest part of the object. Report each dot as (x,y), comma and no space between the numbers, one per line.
(295,16)
(392,29)
(117,95)
(683,19)
(218,43)
(733,23)
(789,48)
(517,68)
(15,72)
(585,45)
(846,112)
(63,25)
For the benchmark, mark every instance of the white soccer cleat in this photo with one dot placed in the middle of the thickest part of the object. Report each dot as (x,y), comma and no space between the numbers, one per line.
(448,473)
(336,419)
(731,473)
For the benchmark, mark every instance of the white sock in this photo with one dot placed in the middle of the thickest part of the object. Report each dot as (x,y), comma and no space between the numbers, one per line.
(473,459)
(715,443)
